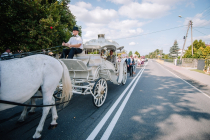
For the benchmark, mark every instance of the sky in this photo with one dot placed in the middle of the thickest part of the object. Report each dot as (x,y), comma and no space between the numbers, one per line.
(143,25)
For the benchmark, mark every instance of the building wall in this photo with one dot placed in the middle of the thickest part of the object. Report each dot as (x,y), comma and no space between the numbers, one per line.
(192,62)
(180,52)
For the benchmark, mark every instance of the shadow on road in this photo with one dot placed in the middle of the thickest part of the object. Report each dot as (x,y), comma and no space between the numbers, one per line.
(166,108)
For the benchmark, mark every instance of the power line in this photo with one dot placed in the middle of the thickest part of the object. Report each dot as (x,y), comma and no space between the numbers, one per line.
(203,24)
(199,32)
(205,10)
(206,15)
(151,32)
(202,27)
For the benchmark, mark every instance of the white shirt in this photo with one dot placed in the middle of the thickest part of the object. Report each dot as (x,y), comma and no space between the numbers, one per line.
(76,40)
(6,54)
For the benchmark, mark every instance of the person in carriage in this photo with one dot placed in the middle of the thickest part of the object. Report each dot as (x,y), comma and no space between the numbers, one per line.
(112,57)
(75,45)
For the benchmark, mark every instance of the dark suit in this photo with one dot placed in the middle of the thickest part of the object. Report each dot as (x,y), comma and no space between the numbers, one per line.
(130,68)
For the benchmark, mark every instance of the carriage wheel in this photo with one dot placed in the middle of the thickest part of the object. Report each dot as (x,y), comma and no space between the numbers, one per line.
(100,92)
(58,92)
(124,73)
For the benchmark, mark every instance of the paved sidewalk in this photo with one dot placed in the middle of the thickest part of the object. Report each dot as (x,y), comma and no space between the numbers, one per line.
(200,77)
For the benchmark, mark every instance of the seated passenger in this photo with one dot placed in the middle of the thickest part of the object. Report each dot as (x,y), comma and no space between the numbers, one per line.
(6,53)
(112,57)
(75,45)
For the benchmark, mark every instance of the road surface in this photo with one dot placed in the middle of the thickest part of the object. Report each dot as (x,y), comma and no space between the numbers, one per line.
(154,104)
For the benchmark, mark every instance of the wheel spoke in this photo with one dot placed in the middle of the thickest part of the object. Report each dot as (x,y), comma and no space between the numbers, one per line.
(96,101)
(100,92)
(100,100)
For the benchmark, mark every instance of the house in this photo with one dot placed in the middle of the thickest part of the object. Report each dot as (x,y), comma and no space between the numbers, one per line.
(207,45)
(180,52)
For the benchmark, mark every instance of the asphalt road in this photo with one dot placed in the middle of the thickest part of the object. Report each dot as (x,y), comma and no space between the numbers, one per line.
(154,104)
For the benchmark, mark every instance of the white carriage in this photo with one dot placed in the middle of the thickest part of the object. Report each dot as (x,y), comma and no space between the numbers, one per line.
(90,72)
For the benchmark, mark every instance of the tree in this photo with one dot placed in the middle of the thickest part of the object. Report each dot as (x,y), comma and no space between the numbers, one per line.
(130,53)
(199,48)
(137,53)
(166,56)
(30,25)
(174,49)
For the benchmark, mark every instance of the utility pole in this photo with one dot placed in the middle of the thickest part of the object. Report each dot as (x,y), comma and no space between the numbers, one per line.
(189,24)
(191,36)
(185,40)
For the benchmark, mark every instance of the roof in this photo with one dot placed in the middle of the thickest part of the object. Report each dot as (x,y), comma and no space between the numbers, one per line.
(102,42)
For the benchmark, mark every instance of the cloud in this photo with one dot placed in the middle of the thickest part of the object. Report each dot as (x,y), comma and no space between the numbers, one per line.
(97,20)
(145,10)
(82,4)
(197,20)
(92,32)
(120,1)
(164,2)
(132,43)
(97,15)
(125,24)
(203,38)
(190,4)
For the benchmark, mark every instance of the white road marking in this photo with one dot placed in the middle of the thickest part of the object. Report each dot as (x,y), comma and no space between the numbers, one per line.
(95,132)
(186,82)
(111,126)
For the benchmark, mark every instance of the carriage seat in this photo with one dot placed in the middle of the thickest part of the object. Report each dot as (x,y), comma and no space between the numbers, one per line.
(82,56)
(77,68)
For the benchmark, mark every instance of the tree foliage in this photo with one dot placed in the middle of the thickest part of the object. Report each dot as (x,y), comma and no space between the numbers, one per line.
(200,50)
(137,53)
(166,56)
(130,53)
(174,49)
(153,54)
(30,25)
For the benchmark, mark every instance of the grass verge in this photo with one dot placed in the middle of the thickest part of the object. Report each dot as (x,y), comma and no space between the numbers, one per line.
(199,71)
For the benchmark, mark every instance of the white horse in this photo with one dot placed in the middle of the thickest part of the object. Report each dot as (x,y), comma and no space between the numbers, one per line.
(21,78)
(32,110)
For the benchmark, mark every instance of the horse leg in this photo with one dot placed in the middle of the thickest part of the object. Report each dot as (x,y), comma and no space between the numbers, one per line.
(33,102)
(53,124)
(39,129)
(47,100)
(32,110)
(23,114)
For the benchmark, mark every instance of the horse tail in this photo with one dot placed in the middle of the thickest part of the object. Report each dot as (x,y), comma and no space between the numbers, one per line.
(67,87)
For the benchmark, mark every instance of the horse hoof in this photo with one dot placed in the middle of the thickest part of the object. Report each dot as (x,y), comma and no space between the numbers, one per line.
(31,113)
(37,138)
(52,126)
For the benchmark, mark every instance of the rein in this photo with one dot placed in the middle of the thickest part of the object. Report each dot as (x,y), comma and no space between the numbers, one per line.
(25,54)
(20,104)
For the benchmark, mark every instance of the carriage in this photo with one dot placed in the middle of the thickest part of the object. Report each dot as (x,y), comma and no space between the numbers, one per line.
(87,73)
(90,70)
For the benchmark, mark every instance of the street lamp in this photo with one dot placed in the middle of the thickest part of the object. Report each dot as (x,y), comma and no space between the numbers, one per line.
(189,24)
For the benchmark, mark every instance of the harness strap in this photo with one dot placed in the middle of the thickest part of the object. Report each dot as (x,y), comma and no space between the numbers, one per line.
(19,104)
